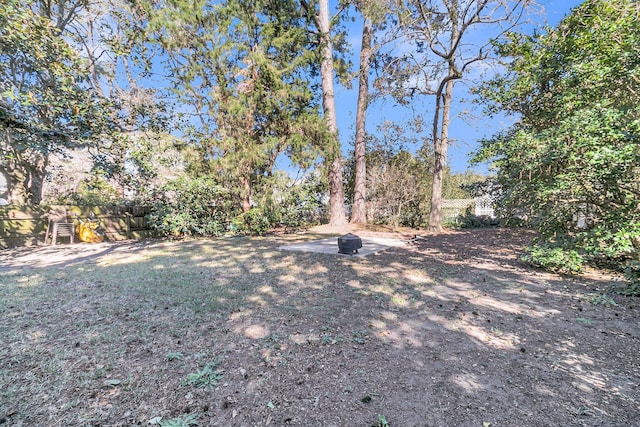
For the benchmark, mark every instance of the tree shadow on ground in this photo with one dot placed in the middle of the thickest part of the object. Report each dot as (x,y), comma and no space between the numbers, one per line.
(450,330)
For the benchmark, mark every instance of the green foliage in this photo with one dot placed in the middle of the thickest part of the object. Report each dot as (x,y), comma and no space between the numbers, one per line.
(208,376)
(91,192)
(585,321)
(382,422)
(45,104)
(470,220)
(554,258)
(192,207)
(569,164)
(137,150)
(254,221)
(294,204)
(462,185)
(186,420)
(202,207)
(137,164)
(600,299)
(174,356)
(244,68)
(632,274)
(298,209)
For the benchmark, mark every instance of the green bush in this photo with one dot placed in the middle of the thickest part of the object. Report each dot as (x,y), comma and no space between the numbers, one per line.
(298,209)
(554,258)
(632,274)
(94,191)
(293,205)
(572,161)
(476,221)
(192,207)
(255,221)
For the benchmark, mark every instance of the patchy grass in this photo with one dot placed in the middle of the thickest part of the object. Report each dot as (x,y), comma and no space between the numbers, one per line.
(451,330)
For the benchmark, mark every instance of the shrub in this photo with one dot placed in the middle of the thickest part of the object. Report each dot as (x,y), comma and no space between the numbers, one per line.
(188,207)
(632,274)
(476,221)
(299,208)
(93,191)
(295,204)
(254,221)
(573,159)
(554,258)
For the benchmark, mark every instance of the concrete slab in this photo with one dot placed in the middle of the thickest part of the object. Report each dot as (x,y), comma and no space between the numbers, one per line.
(370,245)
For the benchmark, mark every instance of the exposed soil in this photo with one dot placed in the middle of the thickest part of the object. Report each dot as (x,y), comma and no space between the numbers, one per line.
(450,330)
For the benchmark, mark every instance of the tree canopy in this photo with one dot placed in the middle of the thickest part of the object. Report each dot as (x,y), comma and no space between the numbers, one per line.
(448,38)
(571,158)
(45,103)
(242,71)
(225,91)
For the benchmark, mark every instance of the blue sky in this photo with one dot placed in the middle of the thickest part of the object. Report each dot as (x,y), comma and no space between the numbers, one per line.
(465,134)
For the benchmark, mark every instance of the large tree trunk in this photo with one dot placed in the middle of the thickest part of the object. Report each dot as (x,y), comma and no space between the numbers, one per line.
(24,174)
(336,191)
(37,174)
(359,212)
(245,188)
(17,192)
(441,138)
(25,183)
(246,194)
(440,148)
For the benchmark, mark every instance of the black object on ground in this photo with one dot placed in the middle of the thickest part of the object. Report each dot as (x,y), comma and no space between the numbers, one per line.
(349,244)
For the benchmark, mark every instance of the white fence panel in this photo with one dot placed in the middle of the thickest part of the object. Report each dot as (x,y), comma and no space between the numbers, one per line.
(452,208)
(482,206)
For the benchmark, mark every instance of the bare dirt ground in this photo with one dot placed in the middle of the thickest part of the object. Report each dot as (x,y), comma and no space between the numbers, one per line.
(449,330)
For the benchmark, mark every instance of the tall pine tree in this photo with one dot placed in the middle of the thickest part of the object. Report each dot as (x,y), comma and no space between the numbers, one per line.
(242,69)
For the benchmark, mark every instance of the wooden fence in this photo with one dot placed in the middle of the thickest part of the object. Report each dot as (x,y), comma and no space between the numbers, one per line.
(24,226)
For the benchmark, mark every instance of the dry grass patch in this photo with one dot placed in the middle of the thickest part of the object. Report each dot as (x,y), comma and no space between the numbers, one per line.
(451,330)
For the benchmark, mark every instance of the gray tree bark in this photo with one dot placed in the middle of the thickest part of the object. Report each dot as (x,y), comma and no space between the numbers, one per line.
(336,190)
(359,212)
